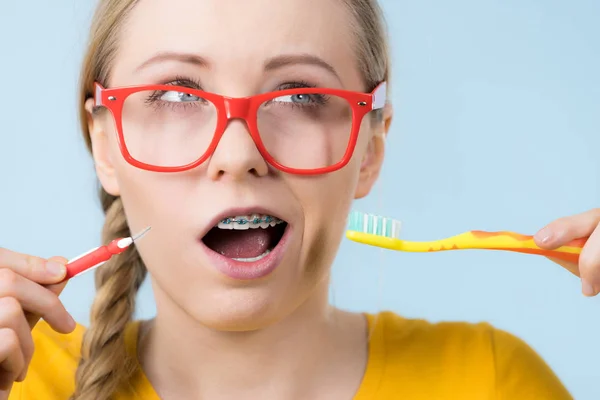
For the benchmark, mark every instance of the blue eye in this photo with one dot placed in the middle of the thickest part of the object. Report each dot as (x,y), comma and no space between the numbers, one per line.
(179,97)
(300,98)
(295,99)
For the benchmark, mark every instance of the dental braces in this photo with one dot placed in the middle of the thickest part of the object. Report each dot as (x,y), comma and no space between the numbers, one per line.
(244,221)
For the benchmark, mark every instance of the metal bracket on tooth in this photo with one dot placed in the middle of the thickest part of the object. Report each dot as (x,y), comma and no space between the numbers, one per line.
(243,221)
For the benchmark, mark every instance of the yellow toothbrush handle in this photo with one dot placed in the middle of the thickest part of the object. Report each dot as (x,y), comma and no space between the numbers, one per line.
(452,243)
(388,243)
(507,241)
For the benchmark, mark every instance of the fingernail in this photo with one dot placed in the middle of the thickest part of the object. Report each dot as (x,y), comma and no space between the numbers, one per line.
(544,236)
(56,269)
(587,288)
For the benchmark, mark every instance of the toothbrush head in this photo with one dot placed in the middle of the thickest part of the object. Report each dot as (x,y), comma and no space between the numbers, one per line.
(374,225)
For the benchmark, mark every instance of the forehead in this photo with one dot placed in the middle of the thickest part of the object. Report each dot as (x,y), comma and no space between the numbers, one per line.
(237,36)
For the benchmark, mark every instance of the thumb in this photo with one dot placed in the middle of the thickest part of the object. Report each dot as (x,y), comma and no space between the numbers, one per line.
(57,288)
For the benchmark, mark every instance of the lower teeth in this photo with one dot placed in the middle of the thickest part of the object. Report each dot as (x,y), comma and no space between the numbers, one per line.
(253,259)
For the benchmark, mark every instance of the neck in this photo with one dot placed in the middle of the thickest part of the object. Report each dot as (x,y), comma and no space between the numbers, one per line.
(312,352)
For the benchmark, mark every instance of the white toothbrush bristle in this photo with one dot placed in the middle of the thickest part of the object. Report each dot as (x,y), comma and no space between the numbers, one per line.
(375,225)
(396,227)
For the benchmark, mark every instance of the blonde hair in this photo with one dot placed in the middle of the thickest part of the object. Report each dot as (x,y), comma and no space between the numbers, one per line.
(105,366)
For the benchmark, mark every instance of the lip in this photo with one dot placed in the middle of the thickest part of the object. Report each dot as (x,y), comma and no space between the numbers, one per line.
(245,271)
(239,211)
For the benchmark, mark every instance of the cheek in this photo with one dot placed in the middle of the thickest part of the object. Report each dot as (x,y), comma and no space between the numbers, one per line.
(153,199)
(326,202)
(161,202)
(146,195)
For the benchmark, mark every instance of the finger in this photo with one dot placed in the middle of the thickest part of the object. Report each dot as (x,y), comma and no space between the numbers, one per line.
(34,268)
(13,317)
(5,392)
(12,361)
(589,265)
(36,300)
(569,266)
(561,231)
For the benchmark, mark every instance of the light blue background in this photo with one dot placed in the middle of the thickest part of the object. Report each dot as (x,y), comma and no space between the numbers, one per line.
(496,127)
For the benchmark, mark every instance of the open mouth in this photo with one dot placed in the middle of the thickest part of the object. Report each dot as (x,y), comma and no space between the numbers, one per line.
(246,238)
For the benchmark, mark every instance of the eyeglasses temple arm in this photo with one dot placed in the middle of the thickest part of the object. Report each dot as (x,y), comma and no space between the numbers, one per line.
(98,95)
(380,96)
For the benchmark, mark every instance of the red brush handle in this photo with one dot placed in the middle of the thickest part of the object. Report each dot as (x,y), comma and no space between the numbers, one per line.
(93,258)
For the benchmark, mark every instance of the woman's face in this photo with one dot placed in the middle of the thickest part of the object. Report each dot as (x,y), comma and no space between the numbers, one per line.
(237,49)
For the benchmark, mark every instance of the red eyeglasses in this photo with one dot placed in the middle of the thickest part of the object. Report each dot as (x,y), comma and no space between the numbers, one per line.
(167,128)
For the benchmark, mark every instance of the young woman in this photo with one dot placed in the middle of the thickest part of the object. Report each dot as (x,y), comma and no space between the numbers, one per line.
(243,313)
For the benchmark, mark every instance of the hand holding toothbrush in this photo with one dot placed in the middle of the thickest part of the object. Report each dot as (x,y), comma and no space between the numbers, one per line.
(566,229)
(572,242)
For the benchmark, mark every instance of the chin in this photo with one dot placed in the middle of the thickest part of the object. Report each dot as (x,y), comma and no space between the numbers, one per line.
(223,304)
(239,309)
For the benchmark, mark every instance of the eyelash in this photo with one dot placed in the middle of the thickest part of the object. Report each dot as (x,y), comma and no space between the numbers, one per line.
(178,81)
(195,84)
(296,85)
(185,82)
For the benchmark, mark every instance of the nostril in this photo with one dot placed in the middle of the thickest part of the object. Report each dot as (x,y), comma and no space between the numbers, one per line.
(251,171)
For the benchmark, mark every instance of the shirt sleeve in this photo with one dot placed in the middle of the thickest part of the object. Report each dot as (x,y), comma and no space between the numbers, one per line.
(51,373)
(521,373)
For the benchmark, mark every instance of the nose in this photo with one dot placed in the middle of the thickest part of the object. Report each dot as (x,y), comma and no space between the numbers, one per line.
(236,156)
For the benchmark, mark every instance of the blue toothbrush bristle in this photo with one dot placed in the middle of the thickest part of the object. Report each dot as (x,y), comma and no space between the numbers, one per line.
(374,224)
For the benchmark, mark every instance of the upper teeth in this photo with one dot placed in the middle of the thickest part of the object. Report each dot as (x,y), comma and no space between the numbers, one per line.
(252,221)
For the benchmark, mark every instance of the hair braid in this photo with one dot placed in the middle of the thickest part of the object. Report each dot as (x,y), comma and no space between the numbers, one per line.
(105,364)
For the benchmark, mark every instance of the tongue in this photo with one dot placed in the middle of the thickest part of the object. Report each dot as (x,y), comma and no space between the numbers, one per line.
(239,243)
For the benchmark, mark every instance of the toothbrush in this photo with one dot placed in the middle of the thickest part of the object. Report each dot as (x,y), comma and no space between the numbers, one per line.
(384,232)
(98,256)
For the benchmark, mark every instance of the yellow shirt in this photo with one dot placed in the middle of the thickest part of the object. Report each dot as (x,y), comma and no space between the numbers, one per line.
(408,359)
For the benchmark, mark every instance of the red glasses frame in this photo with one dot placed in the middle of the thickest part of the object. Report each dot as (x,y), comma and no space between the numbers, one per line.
(246,109)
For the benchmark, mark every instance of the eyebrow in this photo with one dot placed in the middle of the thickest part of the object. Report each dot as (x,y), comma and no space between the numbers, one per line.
(187,58)
(270,65)
(294,59)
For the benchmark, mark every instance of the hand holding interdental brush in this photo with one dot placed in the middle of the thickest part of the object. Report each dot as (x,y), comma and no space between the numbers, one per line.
(29,290)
